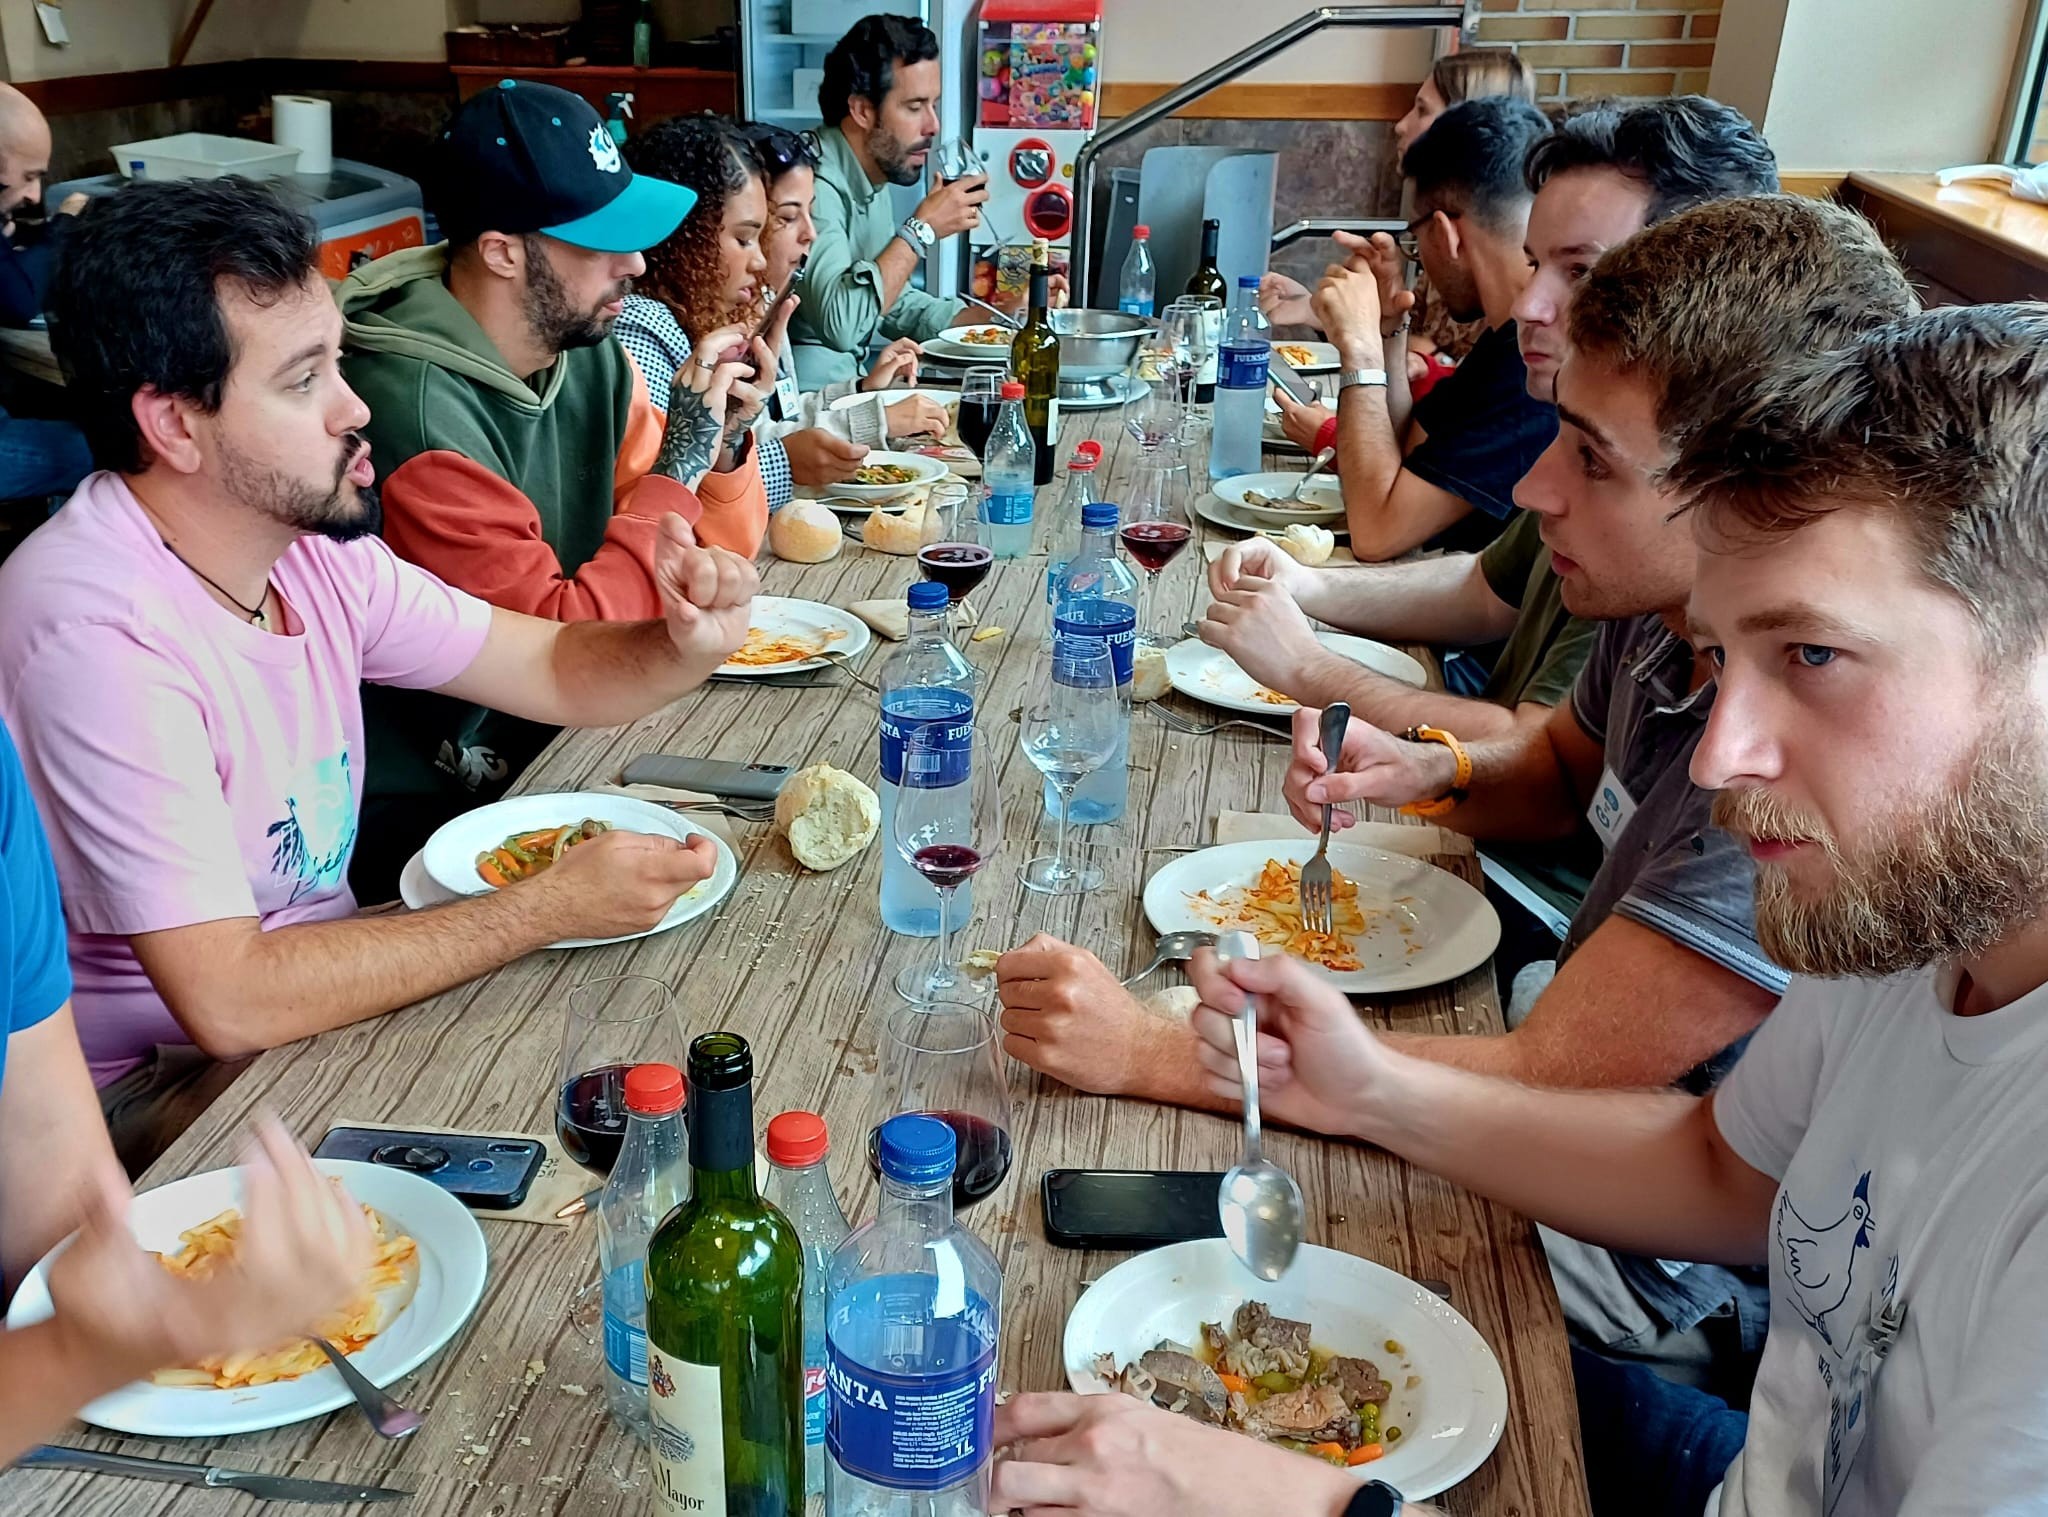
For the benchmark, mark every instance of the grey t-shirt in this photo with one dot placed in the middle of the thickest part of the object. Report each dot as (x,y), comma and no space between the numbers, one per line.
(1666,866)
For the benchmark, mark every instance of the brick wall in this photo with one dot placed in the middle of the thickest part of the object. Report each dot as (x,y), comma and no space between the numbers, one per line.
(1582,48)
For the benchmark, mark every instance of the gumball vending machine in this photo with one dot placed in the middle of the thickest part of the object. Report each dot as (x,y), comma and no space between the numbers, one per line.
(1039,67)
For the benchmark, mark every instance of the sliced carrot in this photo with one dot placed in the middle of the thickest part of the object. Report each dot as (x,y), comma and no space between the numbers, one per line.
(1365,1453)
(487,866)
(1234,1383)
(1334,1452)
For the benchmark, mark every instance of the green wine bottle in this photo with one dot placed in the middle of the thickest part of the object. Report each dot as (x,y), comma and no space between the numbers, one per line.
(1035,364)
(1208,280)
(725,1348)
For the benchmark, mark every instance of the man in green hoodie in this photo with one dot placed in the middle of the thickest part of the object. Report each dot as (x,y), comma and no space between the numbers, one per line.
(525,461)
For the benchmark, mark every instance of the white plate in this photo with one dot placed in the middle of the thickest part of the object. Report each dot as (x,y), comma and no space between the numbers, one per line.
(1211,675)
(1424,925)
(929,471)
(1449,1423)
(781,617)
(1222,513)
(448,862)
(1322,501)
(452,1268)
(1324,356)
(949,344)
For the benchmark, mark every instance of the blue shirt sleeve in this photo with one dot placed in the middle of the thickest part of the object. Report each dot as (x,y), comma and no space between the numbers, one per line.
(38,961)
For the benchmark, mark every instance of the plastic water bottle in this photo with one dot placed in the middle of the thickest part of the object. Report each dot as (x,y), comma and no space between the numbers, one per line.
(925,685)
(1098,597)
(1066,521)
(911,1338)
(649,1181)
(800,1188)
(1134,289)
(1235,447)
(1009,466)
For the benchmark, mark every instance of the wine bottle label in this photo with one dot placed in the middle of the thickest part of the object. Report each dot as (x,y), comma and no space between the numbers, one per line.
(1008,508)
(1212,323)
(1113,621)
(945,739)
(915,1432)
(687,1415)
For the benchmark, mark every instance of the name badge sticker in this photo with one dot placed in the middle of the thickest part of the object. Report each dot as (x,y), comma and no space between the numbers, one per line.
(1611,809)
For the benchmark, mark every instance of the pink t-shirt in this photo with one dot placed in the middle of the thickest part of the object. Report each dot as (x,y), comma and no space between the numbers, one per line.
(190,767)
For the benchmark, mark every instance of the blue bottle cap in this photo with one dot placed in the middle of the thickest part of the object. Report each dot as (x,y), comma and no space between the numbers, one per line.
(928,595)
(1098,514)
(917,1150)
(1247,281)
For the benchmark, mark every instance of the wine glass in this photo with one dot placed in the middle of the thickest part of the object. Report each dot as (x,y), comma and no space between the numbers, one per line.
(946,832)
(981,397)
(612,1024)
(1155,525)
(956,158)
(943,1062)
(1191,325)
(961,558)
(1070,731)
(1151,411)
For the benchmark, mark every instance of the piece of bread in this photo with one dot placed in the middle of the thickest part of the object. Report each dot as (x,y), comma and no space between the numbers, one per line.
(827,816)
(899,532)
(1310,544)
(1148,673)
(804,532)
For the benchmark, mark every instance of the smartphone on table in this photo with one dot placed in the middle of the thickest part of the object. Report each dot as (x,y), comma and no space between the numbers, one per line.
(1130,1208)
(747,782)
(479,1171)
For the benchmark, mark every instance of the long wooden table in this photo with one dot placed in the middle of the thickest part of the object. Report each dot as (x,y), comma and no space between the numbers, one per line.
(801,965)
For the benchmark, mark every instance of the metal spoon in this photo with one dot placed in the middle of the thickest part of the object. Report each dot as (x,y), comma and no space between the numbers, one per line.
(1260,1205)
(1322,462)
(1002,316)
(385,1415)
(1175,948)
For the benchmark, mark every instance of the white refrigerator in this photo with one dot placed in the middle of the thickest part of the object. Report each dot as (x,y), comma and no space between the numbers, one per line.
(782,55)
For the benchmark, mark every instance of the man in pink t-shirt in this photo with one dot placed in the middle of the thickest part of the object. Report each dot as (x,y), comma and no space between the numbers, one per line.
(181,651)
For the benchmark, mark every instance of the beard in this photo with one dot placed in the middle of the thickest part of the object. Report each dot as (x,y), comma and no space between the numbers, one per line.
(1947,876)
(555,321)
(340,510)
(892,156)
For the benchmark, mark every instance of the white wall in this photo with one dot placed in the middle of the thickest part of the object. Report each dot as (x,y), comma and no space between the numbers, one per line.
(1166,41)
(112,36)
(1858,84)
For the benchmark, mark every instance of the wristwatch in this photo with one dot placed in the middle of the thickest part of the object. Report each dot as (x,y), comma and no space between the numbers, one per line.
(917,233)
(1374,1499)
(1454,797)
(1352,378)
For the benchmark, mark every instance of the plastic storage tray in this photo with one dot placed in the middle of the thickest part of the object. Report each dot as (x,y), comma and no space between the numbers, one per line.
(203,155)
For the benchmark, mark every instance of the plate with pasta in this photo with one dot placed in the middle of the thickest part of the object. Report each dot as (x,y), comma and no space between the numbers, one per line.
(787,636)
(1399,923)
(425,1278)
(1213,676)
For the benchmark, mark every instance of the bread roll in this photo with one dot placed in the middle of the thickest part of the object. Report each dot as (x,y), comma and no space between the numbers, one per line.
(804,532)
(900,532)
(1148,673)
(1309,544)
(827,815)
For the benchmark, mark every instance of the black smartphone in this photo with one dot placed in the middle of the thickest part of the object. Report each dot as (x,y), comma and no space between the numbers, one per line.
(1281,372)
(1130,1208)
(750,782)
(493,1173)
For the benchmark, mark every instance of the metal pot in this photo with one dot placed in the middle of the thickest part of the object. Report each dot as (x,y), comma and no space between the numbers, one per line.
(1097,344)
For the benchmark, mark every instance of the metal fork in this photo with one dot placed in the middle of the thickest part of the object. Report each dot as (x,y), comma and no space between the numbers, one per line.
(1193,728)
(1315,874)
(389,1418)
(745,811)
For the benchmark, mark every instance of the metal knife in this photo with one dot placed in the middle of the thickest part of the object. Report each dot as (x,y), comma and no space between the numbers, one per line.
(262,1487)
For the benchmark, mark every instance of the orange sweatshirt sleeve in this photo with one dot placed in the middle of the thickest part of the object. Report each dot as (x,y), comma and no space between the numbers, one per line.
(734,505)
(454,517)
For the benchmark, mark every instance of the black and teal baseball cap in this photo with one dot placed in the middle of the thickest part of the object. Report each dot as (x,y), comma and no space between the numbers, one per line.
(534,158)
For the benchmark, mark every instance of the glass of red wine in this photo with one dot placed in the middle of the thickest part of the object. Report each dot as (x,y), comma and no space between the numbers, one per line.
(612,1024)
(959,560)
(981,396)
(945,1062)
(947,833)
(1155,525)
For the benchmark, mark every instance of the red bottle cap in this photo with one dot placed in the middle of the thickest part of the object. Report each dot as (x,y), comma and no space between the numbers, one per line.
(1086,456)
(1012,390)
(797,1138)
(654,1090)
(1141,231)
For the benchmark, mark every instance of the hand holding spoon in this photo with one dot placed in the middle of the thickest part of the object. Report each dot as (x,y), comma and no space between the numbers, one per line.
(1260,1205)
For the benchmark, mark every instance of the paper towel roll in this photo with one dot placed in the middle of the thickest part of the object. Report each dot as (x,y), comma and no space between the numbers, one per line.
(307,124)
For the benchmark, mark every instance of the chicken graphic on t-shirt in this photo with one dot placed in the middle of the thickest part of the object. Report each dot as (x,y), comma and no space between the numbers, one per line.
(1820,1261)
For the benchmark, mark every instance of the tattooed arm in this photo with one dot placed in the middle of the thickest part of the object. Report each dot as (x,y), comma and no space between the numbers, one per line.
(709,410)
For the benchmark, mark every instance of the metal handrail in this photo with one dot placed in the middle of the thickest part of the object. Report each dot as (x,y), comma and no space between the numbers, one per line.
(1381,17)
(1363,225)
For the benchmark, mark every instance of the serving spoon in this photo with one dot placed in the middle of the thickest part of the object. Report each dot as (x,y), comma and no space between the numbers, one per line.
(1259,1203)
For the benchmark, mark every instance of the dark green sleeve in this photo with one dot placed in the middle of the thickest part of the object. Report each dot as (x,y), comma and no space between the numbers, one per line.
(1558,670)
(1507,560)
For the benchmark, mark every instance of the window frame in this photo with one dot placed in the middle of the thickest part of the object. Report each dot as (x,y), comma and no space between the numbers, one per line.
(2028,91)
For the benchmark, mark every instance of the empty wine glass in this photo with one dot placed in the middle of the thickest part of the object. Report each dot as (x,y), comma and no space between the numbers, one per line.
(1191,326)
(1155,525)
(946,831)
(946,1062)
(1151,411)
(1069,731)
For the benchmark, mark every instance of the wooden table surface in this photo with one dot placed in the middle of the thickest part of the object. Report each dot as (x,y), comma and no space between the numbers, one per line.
(800,964)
